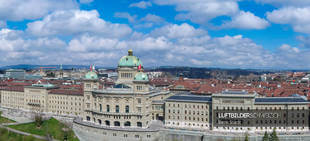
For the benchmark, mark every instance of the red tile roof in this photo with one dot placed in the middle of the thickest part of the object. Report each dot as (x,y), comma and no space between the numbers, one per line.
(66,92)
(12,88)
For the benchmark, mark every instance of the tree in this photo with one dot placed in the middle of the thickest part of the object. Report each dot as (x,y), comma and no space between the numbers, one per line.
(38,120)
(246,137)
(273,135)
(266,136)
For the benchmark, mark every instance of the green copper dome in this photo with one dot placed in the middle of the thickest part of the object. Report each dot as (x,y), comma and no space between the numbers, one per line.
(140,76)
(91,75)
(129,60)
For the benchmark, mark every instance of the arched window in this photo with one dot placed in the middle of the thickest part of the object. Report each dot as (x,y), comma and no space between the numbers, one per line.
(107,123)
(108,108)
(127,109)
(117,109)
(127,123)
(88,118)
(117,123)
(99,121)
(139,124)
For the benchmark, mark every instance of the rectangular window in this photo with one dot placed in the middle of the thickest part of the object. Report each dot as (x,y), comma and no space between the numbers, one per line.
(139,109)
(87,85)
(139,100)
(127,109)
(108,108)
(117,109)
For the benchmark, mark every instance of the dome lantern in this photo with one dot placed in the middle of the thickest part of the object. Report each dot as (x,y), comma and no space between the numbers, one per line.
(130,53)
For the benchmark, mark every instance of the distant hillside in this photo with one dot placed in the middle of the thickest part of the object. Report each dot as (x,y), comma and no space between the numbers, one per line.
(194,72)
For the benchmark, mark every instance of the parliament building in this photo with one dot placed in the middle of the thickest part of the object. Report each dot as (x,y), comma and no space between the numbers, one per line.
(132,108)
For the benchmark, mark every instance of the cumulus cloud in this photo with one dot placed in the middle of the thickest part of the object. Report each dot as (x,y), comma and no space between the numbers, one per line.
(15,48)
(246,20)
(304,40)
(141,4)
(280,3)
(201,11)
(292,15)
(169,46)
(126,15)
(76,22)
(17,10)
(148,21)
(293,57)
(87,43)
(288,48)
(152,18)
(178,31)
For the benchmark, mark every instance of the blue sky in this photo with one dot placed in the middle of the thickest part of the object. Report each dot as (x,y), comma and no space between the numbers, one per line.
(199,33)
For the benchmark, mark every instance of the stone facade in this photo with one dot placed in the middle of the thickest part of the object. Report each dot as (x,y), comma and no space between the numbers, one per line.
(39,98)
(285,114)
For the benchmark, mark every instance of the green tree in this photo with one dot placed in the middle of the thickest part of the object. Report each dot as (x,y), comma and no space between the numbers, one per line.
(38,120)
(246,137)
(266,136)
(273,135)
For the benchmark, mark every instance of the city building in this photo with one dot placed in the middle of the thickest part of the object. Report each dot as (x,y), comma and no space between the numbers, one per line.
(15,73)
(237,111)
(135,109)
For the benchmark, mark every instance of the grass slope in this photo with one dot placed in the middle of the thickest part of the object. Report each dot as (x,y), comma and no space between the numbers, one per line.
(5,135)
(5,120)
(51,126)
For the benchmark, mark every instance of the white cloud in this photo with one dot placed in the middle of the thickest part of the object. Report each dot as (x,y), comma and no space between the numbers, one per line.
(304,40)
(173,44)
(87,43)
(76,22)
(201,11)
(299,3)
(86,1)
(297,17)
(18,10)
(126,15)
(150,43)
(288,48)
(246,20)
(178,31)
(15,49)
(152,18)
(141,4)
